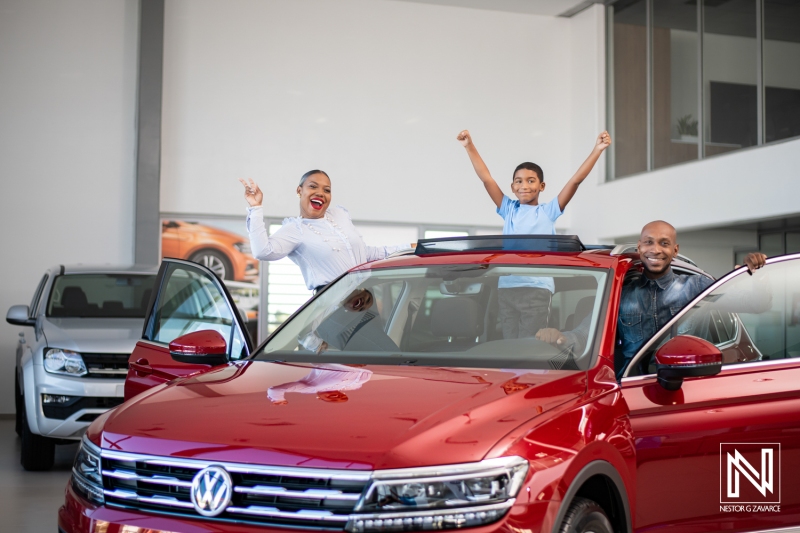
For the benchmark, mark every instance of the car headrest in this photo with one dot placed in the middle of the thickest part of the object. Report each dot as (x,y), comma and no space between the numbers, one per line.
(458,316)
(583,309)
(74,298)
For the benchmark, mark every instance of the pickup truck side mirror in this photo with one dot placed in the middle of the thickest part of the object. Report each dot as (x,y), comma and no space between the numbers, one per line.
(686,356)
(206,347)
(18,316)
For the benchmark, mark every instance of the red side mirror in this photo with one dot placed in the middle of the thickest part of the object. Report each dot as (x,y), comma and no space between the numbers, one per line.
(206,347)
(686,356)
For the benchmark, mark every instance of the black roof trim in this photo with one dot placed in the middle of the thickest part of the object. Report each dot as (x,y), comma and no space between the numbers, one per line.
(501,243)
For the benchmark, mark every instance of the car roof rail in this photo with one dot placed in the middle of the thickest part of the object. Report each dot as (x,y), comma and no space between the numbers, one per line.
(632,248)
(501,243)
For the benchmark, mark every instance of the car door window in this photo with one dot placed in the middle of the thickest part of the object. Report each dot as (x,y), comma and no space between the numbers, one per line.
(191,300)
(749,318)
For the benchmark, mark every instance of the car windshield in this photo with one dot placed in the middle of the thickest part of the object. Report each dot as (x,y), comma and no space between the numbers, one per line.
(444,315)
(100,295)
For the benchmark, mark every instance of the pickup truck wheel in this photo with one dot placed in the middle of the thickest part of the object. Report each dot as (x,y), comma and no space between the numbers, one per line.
(38,453)
(585,516)
(18,406)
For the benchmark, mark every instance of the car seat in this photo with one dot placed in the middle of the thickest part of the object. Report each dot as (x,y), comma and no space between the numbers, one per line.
(459,319)
(582,310)
(73,301)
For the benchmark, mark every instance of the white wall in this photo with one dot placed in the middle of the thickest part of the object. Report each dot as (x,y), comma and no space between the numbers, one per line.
(67,142)
(372,91)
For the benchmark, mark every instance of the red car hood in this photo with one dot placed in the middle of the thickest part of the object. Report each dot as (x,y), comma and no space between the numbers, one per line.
(335,416)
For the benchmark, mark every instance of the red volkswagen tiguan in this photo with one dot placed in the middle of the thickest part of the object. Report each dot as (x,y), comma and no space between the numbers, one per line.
(393,402)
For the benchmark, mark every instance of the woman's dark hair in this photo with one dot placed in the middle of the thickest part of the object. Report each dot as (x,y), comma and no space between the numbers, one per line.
(311,173)
(527,166)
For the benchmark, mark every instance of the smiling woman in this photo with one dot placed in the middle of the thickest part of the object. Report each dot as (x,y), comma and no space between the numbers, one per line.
(322,241)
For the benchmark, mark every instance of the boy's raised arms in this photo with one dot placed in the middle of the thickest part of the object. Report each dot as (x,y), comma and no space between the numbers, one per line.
(569,190)
(481,169)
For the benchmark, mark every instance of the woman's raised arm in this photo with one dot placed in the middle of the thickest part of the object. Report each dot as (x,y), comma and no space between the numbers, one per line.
(264,247)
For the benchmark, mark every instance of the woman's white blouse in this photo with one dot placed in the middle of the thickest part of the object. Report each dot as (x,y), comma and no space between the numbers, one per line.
(323,248)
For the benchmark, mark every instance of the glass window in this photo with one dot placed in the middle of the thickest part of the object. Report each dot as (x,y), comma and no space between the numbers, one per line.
(771,244)
(792,242)
(781,69)
(427,314)
(675,108)
(287,289)
(729,75)
(749,318)
(191,301)
(100,295)
(628,40)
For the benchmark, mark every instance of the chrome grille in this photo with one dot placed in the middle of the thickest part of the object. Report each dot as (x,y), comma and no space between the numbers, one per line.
(106,365)
(267,495)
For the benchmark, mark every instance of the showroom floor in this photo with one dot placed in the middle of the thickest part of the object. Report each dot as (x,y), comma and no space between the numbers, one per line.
(29,501)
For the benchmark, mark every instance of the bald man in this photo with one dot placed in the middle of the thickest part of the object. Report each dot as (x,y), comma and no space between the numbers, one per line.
(649,303)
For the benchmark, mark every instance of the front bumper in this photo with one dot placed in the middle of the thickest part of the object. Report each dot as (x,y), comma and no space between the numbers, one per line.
(94,397)
(79,516)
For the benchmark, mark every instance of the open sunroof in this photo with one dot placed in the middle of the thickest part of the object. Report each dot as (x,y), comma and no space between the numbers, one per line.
(501,243)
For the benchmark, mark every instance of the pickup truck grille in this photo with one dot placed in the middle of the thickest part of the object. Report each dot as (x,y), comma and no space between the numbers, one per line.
(321,498)
(106,365)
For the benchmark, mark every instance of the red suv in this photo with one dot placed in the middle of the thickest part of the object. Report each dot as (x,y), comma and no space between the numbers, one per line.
(392,402)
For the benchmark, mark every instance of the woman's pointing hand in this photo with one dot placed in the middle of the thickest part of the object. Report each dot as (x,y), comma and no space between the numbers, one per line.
(252,193)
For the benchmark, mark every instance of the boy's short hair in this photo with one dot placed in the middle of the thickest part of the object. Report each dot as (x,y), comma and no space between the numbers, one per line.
(529,166)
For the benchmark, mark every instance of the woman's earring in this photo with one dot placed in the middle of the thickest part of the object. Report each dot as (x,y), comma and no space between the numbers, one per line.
(298,195)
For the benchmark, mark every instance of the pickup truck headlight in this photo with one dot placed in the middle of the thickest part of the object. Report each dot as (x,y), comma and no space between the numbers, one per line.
(58,361)
(87,477)
(446,497)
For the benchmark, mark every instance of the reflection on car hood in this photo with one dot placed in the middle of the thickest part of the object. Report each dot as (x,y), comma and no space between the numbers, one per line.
(334,416)
(93,335)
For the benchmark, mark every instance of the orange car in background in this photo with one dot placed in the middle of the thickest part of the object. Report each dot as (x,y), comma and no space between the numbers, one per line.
(223,252)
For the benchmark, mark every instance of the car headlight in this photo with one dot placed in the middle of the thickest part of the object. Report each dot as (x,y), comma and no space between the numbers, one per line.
(87,476)
(447,497)
(58,361)
(243,247)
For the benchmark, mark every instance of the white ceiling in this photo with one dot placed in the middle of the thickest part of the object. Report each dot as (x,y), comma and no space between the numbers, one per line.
(535,7)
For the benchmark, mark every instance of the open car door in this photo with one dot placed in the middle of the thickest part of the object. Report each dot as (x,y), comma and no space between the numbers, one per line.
(187,298)
(714,399)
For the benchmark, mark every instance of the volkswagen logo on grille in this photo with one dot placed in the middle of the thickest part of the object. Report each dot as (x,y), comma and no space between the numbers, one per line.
(211,491)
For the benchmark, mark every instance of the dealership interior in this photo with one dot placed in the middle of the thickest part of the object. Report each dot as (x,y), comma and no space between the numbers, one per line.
(125,126)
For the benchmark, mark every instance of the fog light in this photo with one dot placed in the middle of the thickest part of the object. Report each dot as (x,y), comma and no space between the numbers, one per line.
(56,398)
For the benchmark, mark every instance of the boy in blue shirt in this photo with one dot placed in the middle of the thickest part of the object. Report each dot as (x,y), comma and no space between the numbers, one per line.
(525,300)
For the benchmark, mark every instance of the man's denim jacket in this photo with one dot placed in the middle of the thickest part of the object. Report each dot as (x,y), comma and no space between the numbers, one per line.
(646,305)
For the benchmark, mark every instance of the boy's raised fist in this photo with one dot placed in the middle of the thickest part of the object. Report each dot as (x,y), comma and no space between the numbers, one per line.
(464,138)
(603,141)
